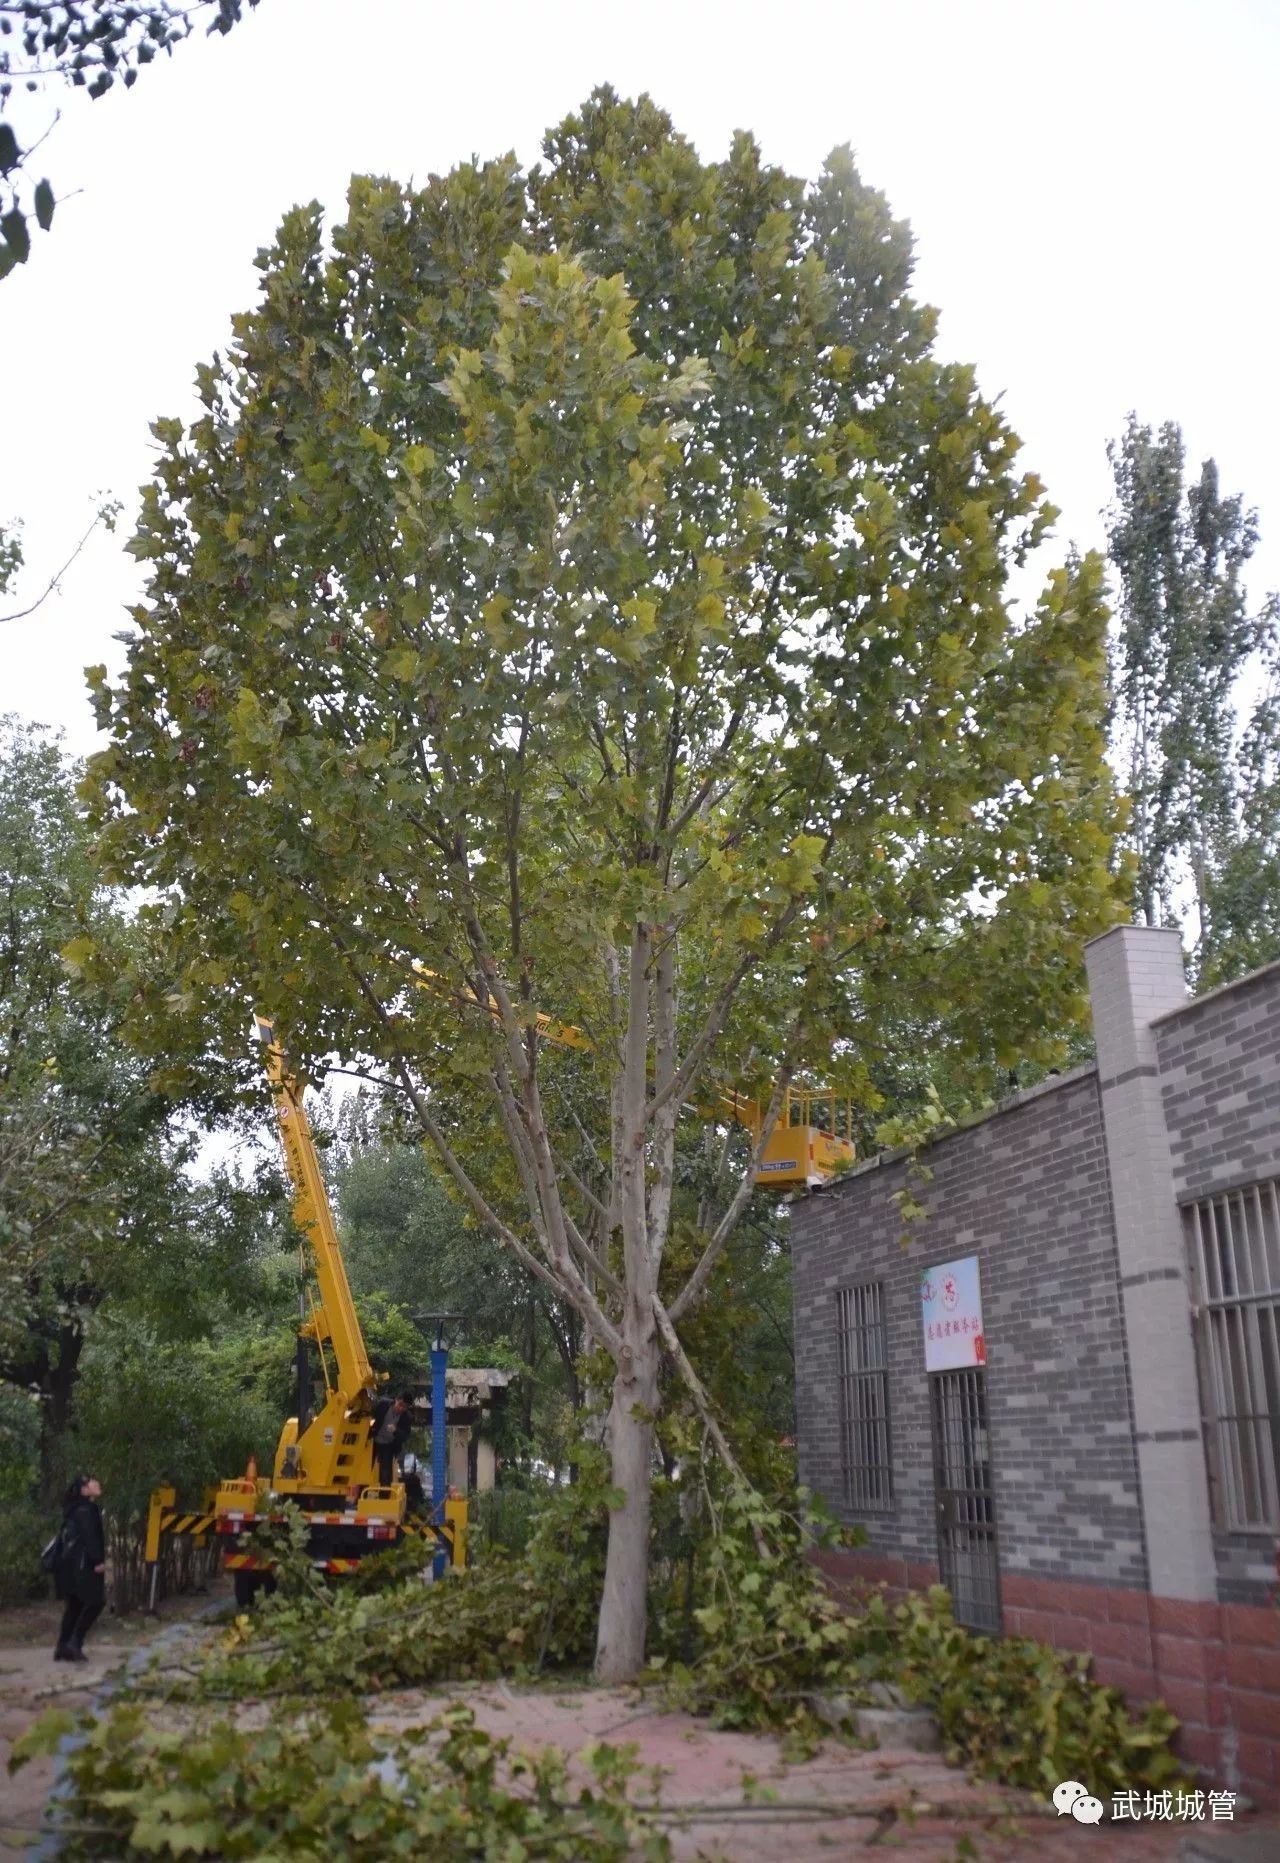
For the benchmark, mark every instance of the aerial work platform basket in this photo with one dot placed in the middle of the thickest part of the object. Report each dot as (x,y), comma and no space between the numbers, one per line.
(812,1140)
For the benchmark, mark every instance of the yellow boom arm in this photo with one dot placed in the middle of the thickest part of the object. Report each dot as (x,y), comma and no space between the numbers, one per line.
(336,1319)
(334,1451)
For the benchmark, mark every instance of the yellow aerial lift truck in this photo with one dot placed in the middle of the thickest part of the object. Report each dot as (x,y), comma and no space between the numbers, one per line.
(325,1463)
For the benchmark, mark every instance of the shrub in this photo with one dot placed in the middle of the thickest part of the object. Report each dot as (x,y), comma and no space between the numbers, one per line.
(19,1437)
(504,1519)
(25,1528)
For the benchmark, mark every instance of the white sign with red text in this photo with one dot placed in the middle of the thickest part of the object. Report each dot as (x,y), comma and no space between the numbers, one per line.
(951,1313)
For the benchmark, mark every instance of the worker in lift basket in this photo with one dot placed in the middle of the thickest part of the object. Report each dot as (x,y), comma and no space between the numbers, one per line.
(392,1421)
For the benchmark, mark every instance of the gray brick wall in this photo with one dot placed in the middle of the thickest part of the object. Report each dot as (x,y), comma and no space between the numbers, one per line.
(1219,1060)
(1219,1063)
(1246,1572)
(1028,1192)
(838,1236)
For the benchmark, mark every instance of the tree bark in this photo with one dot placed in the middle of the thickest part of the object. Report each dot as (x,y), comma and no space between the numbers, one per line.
(620,1636)
(621,1633)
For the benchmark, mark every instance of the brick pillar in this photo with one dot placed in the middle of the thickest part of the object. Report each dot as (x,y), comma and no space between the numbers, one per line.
(1135,974)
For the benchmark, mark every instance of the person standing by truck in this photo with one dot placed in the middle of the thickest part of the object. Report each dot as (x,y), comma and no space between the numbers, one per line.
(79,1574)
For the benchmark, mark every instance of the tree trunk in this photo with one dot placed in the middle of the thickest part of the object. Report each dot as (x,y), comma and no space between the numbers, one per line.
(620,1637)
(530,1345)
(1199,867)
(58,1385)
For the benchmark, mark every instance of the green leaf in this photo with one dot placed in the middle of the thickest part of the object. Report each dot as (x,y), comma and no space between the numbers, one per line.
(14,227)
(10,153)
(493,614)
(401,663)
(44,205)
(42,1737)
(78,953)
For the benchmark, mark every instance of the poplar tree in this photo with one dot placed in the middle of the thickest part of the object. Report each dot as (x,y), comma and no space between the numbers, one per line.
(1244,917)
(1185,636)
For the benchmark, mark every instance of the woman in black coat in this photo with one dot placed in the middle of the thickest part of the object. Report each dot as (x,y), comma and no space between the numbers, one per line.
(80,1574)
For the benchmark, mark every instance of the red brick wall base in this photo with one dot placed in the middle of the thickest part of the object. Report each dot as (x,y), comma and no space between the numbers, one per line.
(1216,1665)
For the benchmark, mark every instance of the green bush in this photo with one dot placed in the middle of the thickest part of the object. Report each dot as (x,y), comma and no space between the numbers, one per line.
(504,1519)
(25,1528)
(19,1443)
(152,1410)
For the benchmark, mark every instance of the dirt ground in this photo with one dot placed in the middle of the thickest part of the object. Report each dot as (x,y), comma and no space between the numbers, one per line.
(725,1795)
(31,1681)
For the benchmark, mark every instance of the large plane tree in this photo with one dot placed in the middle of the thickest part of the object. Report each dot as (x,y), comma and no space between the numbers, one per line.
(590,584)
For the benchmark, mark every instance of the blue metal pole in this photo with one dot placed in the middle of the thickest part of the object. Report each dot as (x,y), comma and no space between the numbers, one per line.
(439,1447)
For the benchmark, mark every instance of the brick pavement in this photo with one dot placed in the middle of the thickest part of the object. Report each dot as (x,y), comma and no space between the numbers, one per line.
(841,1802)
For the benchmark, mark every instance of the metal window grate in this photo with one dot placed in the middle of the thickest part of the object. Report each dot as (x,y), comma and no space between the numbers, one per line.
(1234,1246)
(968,1560)
(864,1397)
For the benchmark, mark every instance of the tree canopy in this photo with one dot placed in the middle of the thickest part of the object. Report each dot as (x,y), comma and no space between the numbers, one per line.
(590,584)
(97,1206)
(1197,755)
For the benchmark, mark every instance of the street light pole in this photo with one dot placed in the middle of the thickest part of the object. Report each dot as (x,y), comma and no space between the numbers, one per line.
(439,1442)
(439,1426)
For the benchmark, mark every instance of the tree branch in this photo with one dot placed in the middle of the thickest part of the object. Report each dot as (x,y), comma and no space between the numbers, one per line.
(678,1086)
(537,1172)
(664,1067)
(457,1171)
(702,1403)
(693,1287)
(21,614)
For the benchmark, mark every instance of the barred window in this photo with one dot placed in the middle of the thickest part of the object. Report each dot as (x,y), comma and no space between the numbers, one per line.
(1234,1243)
(864,1396)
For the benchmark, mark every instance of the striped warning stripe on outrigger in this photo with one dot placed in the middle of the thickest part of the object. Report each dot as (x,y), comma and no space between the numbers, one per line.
(207,1522)
(186,1523)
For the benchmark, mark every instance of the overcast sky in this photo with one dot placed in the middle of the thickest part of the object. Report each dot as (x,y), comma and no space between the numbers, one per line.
(1092,189)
